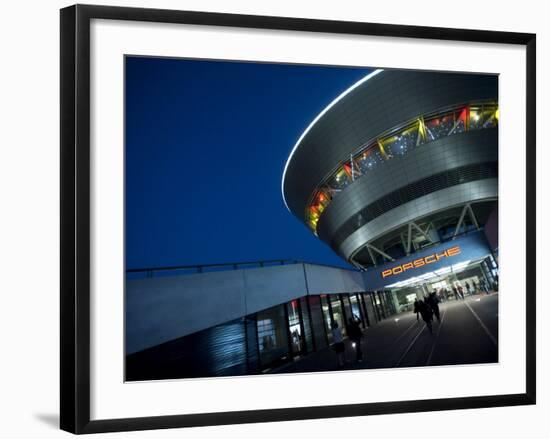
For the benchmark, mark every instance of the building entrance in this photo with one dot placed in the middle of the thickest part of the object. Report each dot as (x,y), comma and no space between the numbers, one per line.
(449,283)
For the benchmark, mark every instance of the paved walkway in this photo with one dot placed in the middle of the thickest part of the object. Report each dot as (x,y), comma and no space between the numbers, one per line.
(467,334)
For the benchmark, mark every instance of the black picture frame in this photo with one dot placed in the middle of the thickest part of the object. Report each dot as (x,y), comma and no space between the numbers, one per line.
(75,217)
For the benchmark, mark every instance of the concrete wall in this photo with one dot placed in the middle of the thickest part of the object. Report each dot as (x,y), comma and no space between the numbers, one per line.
(322,280)
(164,308)
(269,286)
(158,309)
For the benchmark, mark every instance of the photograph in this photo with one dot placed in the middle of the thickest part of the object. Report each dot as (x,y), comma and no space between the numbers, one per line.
(288,218)
(260,219)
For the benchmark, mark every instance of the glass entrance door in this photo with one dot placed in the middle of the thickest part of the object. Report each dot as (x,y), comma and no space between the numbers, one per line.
(295,328)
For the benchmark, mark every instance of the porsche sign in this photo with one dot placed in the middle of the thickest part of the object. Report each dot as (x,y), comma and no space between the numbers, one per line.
(421,262)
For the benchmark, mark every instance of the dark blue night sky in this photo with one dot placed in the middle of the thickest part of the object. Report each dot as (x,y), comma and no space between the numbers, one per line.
(206,144)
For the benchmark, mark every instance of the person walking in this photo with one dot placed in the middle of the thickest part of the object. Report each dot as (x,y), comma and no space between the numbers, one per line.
(433,301)
(455,292)
(356,335)
(426,313)
(339,346)
(416,308)
(468,288)
(460,291)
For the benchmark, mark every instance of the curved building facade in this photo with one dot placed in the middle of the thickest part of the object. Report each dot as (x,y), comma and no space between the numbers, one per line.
(400,161)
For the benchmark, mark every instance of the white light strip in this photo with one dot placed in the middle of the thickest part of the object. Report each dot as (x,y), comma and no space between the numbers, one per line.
(314,121)
(431,274)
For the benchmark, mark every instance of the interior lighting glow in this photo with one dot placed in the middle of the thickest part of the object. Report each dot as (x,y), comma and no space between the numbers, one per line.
(443,271)
(347,169)
(462,115)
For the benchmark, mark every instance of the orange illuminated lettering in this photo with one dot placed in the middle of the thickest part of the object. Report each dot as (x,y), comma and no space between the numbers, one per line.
(453,251)
(430,259)
(439,256)
(417,263)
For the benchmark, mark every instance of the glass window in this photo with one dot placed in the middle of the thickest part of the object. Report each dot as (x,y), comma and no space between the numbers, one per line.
(308,344)
(320,201)
(326,317)
(317,322)
(390,302)
(313,219)
(460,121)
(368,159)
(483,116)
(371,307)
(272,335)
(490,116)
(440,126)
(295,327)
(341,179)
(367,312)
(378,305)
(384,303)
(401,142)
(344,298)
(355,307)
(476,117)
(338,313)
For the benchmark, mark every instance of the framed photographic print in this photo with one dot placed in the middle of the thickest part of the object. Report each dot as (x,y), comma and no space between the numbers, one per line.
(258,213)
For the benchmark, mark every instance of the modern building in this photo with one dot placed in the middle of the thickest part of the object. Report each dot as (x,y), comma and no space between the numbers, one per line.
(399,176)
(401,162)
(239,319)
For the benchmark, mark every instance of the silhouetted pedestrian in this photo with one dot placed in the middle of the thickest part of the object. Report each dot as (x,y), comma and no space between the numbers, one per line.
(339,346)
(426,313)
(433,301)
(416,308)
(355,335)
(460,291)
(455,292)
